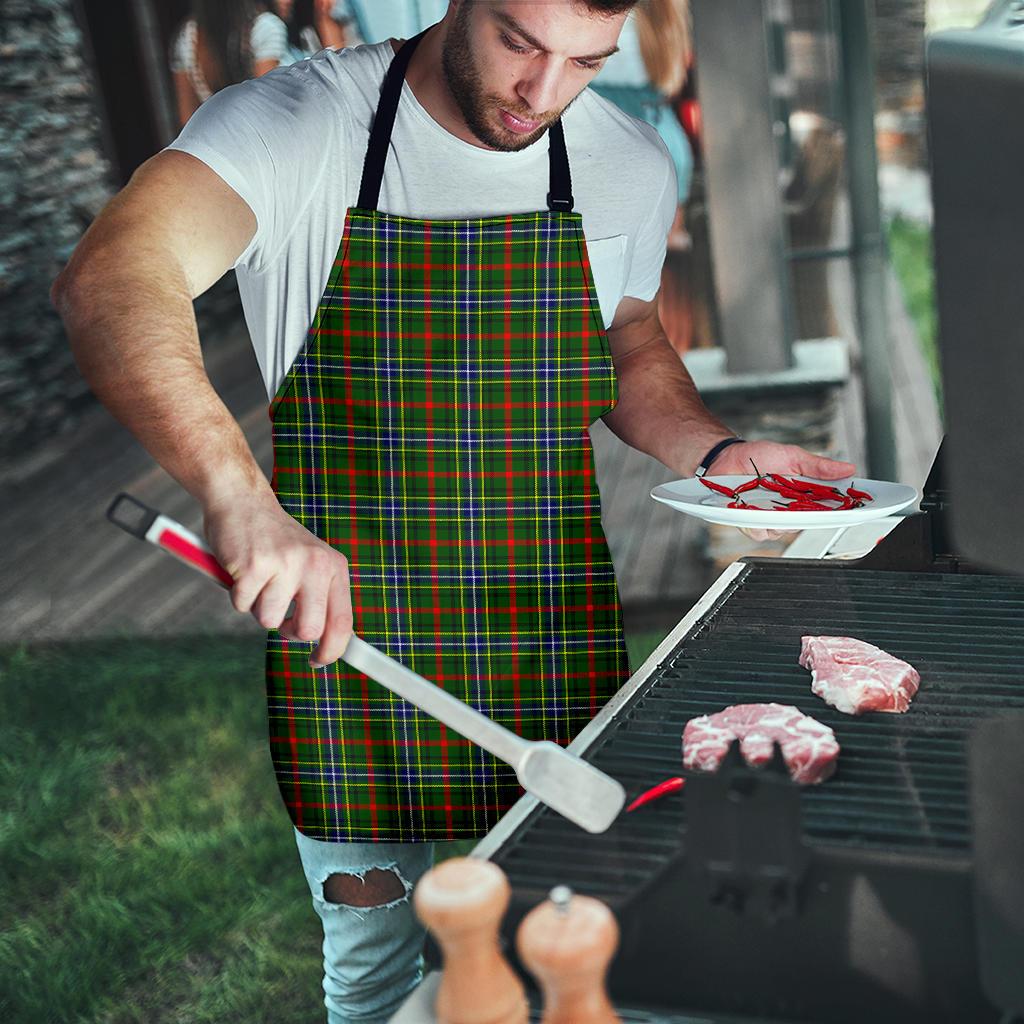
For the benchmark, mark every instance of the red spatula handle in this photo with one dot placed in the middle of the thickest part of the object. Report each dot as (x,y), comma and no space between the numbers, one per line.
(147,524)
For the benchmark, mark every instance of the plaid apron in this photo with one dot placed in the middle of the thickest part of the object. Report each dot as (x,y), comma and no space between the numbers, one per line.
(434,430)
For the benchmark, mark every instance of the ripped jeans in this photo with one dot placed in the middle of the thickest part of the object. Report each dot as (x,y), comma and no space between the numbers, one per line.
(373,955)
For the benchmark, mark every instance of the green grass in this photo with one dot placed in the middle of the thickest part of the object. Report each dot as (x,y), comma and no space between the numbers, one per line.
(149,872)
(910,248)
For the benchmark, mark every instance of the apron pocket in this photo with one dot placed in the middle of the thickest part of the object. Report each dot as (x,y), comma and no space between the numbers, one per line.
(608,266)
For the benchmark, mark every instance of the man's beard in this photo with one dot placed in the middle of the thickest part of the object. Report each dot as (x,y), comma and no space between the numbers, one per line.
(465,84)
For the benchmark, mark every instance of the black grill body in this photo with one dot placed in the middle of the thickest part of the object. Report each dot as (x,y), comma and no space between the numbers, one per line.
(847,901)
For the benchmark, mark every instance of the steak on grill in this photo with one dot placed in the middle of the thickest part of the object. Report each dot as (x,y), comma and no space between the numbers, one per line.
(854,676)
(808,747)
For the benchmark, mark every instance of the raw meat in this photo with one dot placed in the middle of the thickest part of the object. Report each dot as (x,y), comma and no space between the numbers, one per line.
(808,747)
(855,677)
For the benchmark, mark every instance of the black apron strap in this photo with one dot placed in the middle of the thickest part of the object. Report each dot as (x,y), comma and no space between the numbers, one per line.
(559,187)
(383,122)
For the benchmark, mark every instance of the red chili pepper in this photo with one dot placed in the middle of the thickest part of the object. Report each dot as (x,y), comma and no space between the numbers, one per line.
(863,495)
(660,790)
(806,505)
(809,487)
(786,492)
(717,487)
(750,485)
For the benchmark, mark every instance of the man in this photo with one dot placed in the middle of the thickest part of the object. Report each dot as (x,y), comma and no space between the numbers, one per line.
(432,377)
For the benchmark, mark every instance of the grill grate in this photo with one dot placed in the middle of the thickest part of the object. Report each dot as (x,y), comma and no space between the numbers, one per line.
(901,784)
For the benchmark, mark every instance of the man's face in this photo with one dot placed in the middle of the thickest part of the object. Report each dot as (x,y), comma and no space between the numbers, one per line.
(513,66)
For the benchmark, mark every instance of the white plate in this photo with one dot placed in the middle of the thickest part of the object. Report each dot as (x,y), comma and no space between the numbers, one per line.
(693,498)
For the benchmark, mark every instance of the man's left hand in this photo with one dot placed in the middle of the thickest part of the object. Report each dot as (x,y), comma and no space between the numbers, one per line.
(771,457)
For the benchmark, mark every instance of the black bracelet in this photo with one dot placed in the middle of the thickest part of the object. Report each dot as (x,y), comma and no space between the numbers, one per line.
(705,463)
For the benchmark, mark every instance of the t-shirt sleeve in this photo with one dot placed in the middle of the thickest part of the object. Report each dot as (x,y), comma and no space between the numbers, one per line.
(269,38)
(652,238)
(269,139)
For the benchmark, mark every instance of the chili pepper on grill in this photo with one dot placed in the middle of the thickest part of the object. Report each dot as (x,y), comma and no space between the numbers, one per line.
(660,790)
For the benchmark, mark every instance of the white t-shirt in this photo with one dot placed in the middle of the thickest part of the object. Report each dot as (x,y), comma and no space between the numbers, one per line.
(292,143)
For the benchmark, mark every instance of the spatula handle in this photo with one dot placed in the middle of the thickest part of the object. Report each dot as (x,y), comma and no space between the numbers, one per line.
(148,524)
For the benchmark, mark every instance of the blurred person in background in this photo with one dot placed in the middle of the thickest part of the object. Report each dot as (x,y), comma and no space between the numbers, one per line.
(221,43)
(314,25)
(645,78)
(375,20)
(647,75)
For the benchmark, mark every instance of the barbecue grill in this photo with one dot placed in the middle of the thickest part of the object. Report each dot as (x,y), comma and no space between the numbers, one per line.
(894,891)
(748,896)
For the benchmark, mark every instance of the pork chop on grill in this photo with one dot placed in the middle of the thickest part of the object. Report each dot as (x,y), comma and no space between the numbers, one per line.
(854,676)
(809,748)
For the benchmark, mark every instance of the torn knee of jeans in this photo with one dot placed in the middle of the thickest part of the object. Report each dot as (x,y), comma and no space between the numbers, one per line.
(371,889)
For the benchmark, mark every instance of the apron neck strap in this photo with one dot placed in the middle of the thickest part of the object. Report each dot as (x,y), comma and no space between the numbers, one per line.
(559,188)
(383,122)
(560,185)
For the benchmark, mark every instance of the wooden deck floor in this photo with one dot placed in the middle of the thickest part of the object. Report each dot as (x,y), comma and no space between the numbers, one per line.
(68,573)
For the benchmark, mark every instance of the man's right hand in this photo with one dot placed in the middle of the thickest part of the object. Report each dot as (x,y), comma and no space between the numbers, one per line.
(274,559)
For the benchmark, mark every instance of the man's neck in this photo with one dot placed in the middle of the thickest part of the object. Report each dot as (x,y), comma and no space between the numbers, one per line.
(426,79)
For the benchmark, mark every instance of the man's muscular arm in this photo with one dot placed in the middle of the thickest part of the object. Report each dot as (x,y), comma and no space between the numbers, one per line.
(126,301)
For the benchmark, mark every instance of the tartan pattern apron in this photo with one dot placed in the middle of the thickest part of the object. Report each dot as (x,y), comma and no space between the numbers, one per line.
(434,430)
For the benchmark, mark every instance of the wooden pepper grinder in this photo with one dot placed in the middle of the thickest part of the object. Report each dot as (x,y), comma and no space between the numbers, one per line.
(462,901)
(567,943)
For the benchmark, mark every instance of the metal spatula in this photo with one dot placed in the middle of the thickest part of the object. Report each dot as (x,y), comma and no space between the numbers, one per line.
(567,784)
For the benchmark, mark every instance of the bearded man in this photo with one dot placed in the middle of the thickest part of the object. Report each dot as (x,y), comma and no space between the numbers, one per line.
(448,252)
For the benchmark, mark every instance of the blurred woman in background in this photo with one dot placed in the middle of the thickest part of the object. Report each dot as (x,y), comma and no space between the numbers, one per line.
(313,25)
(223,42)
(648,72)
(645,78)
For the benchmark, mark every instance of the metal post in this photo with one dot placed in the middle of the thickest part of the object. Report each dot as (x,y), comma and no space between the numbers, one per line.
(154,64)
(868,240)
(744,202)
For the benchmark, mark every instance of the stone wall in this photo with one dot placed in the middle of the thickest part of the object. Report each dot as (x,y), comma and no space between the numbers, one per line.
(54,178)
